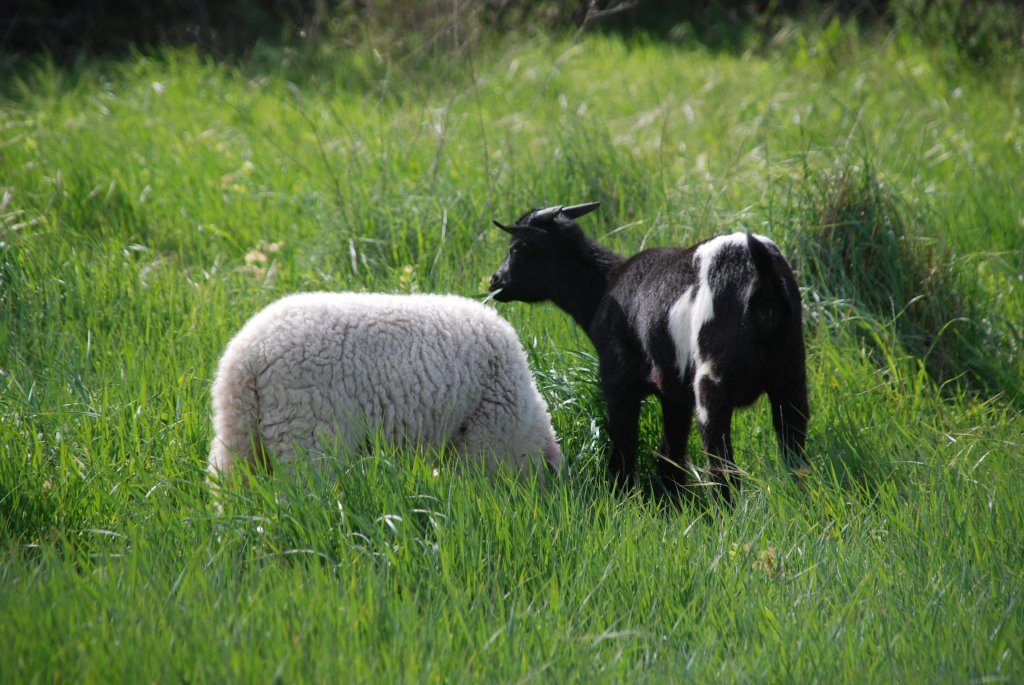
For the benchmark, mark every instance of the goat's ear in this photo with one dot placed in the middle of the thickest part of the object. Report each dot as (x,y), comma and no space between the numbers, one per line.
(528,234)
(576,211)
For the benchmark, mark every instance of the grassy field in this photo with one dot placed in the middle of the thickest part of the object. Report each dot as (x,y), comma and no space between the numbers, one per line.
(149,205)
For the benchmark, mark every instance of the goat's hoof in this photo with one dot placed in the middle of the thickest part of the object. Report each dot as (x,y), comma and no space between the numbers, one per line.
(800,475)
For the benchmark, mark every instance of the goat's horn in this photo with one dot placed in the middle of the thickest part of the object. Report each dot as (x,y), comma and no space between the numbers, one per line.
(513,229)
(546,214)
(526,233)
(576,211)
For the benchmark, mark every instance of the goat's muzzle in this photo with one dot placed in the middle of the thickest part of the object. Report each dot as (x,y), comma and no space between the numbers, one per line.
(497,287)
(499,279)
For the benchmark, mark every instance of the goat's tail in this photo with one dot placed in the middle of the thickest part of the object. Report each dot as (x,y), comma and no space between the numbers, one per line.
(761,257)
(767,302)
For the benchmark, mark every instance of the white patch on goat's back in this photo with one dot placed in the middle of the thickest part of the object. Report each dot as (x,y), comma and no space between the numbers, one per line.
(680,327)
(695,308)
(704,257)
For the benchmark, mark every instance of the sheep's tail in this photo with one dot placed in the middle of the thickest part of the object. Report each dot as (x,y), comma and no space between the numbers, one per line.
(235,419)
(767,301)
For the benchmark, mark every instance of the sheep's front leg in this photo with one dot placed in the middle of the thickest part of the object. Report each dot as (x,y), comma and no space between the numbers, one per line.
(623,417)
(673,465)
(715,432)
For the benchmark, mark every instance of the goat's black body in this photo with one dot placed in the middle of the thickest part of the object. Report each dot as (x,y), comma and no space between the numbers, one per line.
(753,343)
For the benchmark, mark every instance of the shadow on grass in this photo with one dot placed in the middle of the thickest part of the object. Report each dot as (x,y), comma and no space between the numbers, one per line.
(862,244)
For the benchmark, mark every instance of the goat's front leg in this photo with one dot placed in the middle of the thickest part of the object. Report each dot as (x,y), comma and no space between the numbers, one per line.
(672,463)
(623,416)
(715,425)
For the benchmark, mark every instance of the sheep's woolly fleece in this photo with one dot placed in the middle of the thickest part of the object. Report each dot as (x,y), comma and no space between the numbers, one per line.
(320,373)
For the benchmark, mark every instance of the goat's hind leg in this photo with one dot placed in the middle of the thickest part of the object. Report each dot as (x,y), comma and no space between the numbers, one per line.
(790,414)
(716,434)
(672,464)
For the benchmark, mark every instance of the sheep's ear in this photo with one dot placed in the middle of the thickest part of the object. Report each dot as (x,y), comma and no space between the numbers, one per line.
(529,234)
(576,211)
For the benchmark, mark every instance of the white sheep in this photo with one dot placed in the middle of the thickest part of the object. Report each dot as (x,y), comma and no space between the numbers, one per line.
(319,374)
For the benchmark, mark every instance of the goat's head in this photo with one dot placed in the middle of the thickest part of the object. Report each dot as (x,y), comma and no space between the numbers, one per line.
(545,242)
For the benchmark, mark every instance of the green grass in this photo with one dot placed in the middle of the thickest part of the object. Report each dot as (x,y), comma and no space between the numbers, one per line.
(149,206)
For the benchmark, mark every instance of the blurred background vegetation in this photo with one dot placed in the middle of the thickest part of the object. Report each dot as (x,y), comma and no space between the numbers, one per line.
(978,32)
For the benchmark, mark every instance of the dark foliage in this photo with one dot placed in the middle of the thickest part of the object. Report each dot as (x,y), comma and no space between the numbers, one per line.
(727,23)
(863,244)
(68,28)
(65,28)
(979,33)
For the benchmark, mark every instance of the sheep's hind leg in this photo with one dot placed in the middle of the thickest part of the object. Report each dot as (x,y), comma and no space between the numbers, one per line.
(673,466)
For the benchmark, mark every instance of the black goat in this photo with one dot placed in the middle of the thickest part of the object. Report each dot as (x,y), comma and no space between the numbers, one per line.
(710,327)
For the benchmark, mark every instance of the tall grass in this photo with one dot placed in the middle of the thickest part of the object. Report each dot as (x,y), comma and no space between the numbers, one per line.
(149,206)
(864,244)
